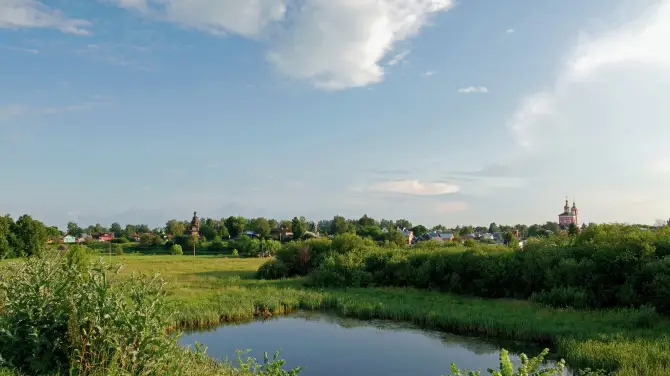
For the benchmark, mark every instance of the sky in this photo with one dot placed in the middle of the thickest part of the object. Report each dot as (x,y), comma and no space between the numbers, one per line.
(437,111)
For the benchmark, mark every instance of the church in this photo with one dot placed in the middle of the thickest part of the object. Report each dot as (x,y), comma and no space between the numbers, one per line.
(569,216)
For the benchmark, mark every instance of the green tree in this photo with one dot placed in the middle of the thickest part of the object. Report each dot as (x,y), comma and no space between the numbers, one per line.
(419,230)
(366,221)
(235,225)
(174,227)
(6,237)
(52,233)
(285,225)
(573,230)
(466,230)
(130,230)
(207,231)
(30,236)
(116,229)
(260,226)
(372,232)
(273,223)
(298,228)
(396,237)
(147,240)
(439,228)
(74,230)
(493,227)
(403,223)
(176,249)
(340,225)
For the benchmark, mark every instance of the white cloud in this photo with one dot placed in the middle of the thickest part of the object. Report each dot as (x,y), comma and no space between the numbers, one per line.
(415,187)
(587,97)
(332,44)
(429,73)
(398,58)
(509,31)
(473,89)
(15,14)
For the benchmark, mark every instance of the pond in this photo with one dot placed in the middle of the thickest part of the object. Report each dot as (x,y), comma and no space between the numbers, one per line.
(328,345)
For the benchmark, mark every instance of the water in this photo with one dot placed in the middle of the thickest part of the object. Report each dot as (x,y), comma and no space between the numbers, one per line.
(328,345)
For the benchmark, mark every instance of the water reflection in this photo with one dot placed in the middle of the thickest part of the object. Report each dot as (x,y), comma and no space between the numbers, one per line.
(328,345)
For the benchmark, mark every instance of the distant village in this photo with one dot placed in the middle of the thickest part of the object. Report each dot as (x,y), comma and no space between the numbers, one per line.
(569,216)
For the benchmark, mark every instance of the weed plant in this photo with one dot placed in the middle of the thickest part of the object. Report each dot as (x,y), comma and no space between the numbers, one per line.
(62,315)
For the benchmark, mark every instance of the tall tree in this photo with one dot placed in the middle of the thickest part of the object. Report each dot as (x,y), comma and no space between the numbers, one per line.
(285,225)
(366,221)
(340,225)
(30,236)
(130,230)
(298,228)
(403,223)
(74,230)
(419,230)
(260,226)
(235,225)
(493,227)
(116,229)
(174,227)
(6,237)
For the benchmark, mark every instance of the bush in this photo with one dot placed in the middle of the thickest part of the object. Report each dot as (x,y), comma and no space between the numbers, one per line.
(121,240)
(77,322)
(176,250)
(273,269)
(78,257)
(235,252)
(118,249)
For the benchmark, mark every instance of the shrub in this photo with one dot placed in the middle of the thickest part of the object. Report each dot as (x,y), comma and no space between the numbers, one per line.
(176,250)
(235,252)
(118,249)
(273,269)
(121,240)
(77,324)
(78,257)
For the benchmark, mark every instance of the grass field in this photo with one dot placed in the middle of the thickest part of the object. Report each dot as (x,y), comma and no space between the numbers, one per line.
(206,290)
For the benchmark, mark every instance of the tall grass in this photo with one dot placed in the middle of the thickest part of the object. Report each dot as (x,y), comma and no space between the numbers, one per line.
(61,315)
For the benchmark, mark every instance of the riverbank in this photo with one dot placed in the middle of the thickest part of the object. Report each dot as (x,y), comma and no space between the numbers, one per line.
(209,290)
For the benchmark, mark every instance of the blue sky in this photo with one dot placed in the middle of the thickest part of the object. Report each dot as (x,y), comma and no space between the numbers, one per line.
(436,111)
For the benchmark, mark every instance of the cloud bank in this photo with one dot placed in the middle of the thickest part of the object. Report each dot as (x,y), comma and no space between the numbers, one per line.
(414,187)
(15,14)
(331,44)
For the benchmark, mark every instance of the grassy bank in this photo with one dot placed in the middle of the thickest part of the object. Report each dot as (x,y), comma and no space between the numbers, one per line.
(208,290)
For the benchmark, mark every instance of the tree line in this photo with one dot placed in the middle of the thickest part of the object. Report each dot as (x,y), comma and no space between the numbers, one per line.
(608,265)
(233,226)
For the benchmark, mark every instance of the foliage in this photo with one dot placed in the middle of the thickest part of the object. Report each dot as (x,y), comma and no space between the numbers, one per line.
(118,249)
(97,323)
(78,257)
(604,266)
(528,367)
(273,269)
(176,250)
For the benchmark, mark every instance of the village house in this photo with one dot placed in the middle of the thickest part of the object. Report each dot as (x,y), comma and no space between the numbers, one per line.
(69,239)
(103,236)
